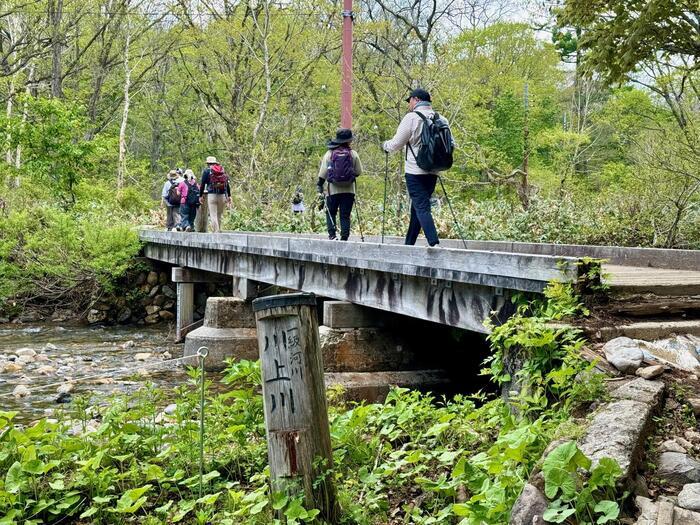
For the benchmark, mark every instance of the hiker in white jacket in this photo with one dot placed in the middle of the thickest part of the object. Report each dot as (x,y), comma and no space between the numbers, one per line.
(420,183)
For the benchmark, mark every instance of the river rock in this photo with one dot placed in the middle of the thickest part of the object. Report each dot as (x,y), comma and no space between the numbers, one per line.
(152,319)
(678,468)
(25,351)
(25,359)
(689,497)
(154,291)
(170,409)
(49,347)
(143,356)
(163,278)
(96,316)
(530,505)
(21,391)
(168,291)
(124,315)
(4,320)
(11,368)
(624,354)
(128,344)
(63,397)
(65,388)
(152,309)
(650,372)
(152,278)
(42,358)
(165,315)
(45,370)
(671,445)
(159,300)
(169,305)
(692,436)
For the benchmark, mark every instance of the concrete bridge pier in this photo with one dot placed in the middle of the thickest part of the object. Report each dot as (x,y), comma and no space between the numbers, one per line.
(228,332)
(185,279)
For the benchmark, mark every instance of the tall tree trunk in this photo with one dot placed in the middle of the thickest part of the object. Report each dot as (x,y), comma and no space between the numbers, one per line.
(121,169)
(25,109)
(264,33)
(10,101)
(56,15)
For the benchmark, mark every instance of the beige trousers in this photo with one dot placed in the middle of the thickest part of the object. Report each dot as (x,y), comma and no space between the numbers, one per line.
(202,218)
(217,204)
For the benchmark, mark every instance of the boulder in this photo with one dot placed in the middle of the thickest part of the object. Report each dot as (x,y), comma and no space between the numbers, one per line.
(163,278)
(170,409)
(692,436)
(152,319)
(530,506)
(152,278)
(679,352)
(169,291)
(45,370)
(154,291)
(152,309)
(689,497)
(25,359)
(678,468)
(128,344)
(143,356)
(25,351)
(165,315)
(21,391)
(650,372)
(49,347)
(624,354)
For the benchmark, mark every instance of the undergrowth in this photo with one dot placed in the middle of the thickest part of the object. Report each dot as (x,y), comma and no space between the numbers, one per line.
(413,459)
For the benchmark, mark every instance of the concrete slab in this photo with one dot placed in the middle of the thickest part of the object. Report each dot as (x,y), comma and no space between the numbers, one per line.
(374,386)
(649,392)
(341,314)
(649,330)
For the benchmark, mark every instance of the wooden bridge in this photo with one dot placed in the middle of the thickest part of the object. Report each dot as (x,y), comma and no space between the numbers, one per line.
(451,284)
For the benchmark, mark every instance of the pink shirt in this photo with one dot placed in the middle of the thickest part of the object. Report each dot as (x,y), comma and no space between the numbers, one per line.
(183,189)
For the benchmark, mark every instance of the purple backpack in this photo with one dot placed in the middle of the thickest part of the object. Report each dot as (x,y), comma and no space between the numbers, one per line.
(341,169)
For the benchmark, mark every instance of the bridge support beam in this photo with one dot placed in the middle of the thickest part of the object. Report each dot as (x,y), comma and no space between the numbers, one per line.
(341,314)
(245,289)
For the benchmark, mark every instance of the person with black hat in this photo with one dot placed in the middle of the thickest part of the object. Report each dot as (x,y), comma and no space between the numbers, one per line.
(340,167)
(420,183)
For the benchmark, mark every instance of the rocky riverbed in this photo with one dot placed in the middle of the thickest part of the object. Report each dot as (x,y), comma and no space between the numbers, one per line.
(39,363)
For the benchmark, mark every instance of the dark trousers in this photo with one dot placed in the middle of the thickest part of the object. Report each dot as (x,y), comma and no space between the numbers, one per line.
(342,202)
(188,214)
(420,189)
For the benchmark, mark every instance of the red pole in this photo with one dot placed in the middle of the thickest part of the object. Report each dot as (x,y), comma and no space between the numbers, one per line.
(346,82)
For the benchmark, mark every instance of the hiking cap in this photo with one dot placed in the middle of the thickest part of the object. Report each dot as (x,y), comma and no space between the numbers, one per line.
(211,160)
(172,174)
(420,94)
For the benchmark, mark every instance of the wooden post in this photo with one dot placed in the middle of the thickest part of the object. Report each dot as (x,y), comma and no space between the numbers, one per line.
(296,417)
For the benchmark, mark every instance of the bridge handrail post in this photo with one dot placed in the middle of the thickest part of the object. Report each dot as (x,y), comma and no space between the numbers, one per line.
(294,397)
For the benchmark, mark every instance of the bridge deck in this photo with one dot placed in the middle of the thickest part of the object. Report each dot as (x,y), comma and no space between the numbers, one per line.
(448,284)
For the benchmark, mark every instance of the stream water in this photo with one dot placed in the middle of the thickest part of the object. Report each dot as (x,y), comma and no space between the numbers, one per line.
(71,352)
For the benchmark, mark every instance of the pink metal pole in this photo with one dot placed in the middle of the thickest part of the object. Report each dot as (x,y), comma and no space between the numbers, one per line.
(346,82)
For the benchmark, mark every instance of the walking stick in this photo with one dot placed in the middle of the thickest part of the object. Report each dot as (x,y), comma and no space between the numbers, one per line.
(454,216)
(357,213)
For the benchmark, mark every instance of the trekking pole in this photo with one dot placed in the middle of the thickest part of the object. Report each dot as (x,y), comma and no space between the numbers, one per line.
(328,212)
(454,216)
(357,213)
(386,177)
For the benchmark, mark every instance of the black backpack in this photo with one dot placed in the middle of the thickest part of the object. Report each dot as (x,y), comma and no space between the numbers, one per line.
(437,146)
(192,194)
(173,194)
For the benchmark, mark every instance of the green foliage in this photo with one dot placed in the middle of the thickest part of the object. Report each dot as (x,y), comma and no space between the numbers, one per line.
(577,490)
